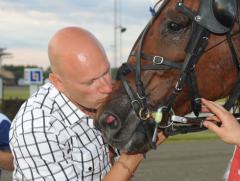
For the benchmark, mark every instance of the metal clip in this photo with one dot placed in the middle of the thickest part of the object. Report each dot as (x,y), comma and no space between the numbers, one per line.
(158,60)
(178,119)
(178,86)
(144,115)
(135,101)
(140,97)
(198,18)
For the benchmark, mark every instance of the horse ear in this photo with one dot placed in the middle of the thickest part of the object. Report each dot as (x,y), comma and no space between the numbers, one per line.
(225,11)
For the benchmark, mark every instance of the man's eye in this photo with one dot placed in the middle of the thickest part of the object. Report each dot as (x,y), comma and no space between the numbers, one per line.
(89,82)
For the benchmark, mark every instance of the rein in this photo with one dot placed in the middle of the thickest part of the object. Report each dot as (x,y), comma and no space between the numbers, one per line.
(164,117)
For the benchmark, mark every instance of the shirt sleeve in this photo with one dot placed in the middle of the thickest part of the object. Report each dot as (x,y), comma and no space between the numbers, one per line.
(4,135)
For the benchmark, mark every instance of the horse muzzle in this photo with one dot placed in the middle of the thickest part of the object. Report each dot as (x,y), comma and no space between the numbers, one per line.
(128,134)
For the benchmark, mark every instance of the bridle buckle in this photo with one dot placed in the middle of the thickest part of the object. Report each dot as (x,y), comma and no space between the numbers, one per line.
(144,114)
(158,60)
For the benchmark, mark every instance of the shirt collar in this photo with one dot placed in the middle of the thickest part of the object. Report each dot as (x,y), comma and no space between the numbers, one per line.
(69,111)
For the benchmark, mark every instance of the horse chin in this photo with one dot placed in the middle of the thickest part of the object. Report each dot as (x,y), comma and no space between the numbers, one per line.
(137,144)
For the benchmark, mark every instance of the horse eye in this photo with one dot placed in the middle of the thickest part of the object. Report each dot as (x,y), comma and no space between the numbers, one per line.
(174,26)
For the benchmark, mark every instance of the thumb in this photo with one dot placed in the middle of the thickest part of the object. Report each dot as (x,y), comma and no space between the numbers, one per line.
(211,126)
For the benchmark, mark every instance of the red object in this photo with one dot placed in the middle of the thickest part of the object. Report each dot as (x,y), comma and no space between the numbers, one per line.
(234,174)
(110,119)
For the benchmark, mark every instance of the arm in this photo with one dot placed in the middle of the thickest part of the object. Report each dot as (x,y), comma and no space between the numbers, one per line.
(125,166)
(6,160)
(229,130)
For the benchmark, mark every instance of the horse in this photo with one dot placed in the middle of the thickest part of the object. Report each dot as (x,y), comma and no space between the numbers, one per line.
(188,50)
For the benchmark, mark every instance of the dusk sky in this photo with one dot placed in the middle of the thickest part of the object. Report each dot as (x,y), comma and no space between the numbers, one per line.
(27,25)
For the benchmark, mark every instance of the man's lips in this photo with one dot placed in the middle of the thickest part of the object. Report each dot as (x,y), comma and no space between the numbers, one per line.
(100,102)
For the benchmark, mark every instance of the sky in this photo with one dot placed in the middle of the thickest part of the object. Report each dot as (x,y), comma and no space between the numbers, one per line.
(26,26)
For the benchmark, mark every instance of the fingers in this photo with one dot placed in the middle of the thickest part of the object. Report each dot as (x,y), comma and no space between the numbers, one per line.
(212,126)
(205,109)
(213,118)
(214,107)
(161,138)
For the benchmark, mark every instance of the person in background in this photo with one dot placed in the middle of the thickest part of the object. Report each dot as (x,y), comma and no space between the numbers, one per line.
(6,158)
(53,136)
(225,125)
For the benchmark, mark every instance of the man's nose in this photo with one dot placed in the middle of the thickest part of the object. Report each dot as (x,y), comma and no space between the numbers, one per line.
(106,84)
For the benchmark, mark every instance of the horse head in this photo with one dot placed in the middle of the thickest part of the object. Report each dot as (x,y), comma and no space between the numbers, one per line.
(181,55)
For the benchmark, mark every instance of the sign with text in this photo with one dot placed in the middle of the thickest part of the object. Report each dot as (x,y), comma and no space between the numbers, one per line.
(33,76)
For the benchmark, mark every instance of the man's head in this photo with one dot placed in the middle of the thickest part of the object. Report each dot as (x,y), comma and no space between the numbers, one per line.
(80,68)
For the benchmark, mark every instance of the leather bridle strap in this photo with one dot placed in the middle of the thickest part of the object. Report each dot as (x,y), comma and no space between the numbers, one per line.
(139,84)
(193,91)
(233,52)
(159,61)
(197,44)
(235,93)
(134,102)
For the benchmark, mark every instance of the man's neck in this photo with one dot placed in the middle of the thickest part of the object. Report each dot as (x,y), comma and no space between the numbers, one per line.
(89,111)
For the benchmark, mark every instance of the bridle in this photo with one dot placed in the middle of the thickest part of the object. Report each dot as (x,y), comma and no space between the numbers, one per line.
(204,23)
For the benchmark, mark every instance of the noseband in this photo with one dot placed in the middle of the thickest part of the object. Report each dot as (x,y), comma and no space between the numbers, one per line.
(207,20)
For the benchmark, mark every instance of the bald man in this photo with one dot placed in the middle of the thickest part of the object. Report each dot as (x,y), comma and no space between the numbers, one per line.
(53,136)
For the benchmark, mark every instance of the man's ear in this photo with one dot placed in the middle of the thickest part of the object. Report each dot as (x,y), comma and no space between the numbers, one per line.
(56,81)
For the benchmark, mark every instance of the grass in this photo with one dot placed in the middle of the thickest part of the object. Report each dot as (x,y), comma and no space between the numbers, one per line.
(203,135)
(16,92)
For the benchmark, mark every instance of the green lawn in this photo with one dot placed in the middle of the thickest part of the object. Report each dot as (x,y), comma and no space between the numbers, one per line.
(203,135)
(13,92)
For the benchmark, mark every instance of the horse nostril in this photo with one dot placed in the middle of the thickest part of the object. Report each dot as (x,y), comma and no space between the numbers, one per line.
(112,121)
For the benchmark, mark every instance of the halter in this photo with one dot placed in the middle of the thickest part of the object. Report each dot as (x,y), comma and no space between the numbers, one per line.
(206,21)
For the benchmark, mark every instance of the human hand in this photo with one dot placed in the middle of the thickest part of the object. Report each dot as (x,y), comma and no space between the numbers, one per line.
(229,129)
(161,138)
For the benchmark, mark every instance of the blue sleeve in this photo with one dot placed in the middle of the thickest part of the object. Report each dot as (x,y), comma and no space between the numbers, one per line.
(4,135)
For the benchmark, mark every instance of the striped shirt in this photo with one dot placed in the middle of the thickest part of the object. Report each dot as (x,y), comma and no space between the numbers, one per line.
(51,139)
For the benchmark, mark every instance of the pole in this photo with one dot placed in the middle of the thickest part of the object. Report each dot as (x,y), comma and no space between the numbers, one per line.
(120,30)
(115,33)
(1,88)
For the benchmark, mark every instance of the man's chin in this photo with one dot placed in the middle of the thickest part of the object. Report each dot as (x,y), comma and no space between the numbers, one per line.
(92,107)
(99,104)
(87,109)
